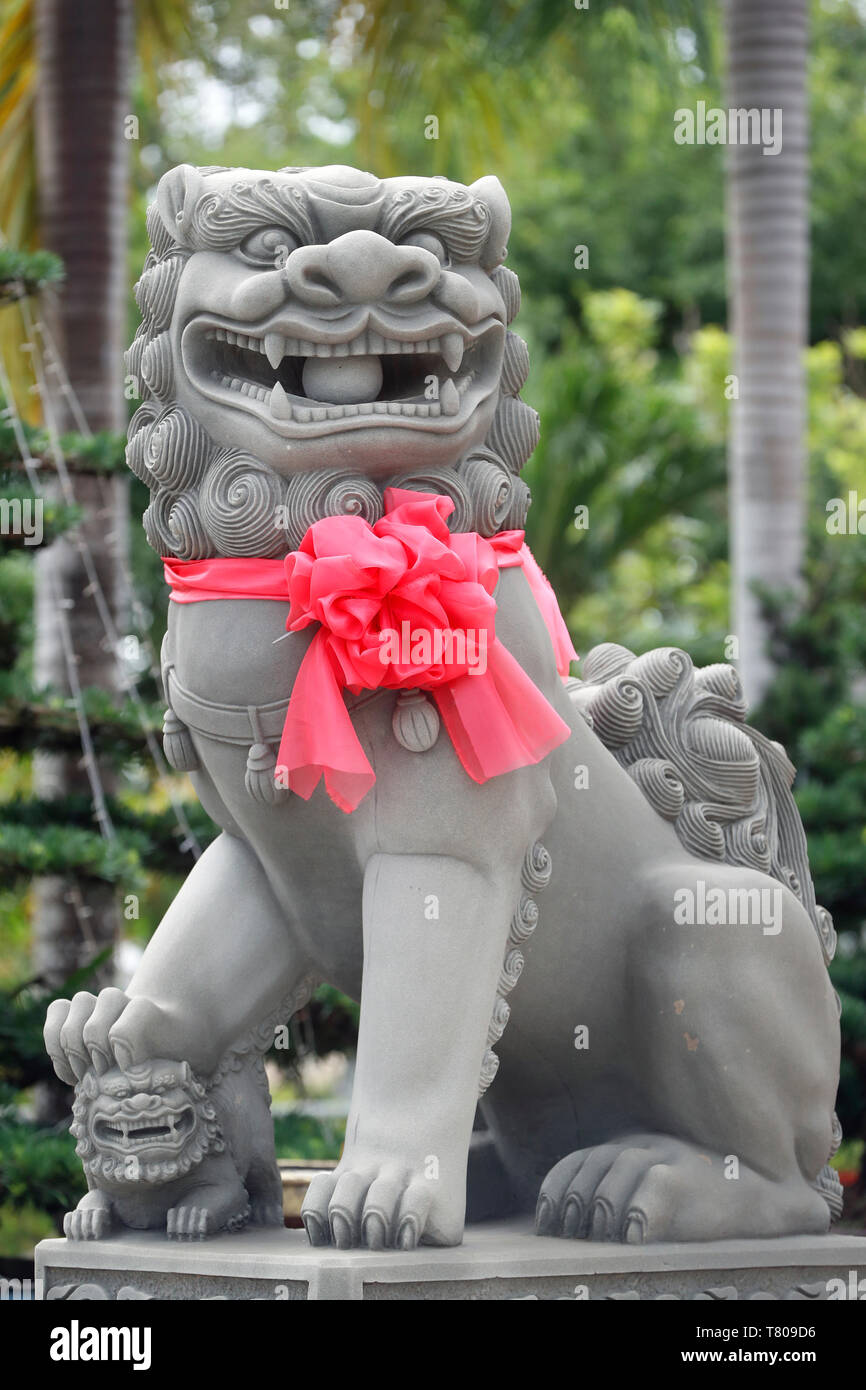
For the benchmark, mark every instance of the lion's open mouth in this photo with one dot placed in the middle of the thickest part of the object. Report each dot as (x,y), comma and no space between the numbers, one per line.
(298,381)
(168,1130)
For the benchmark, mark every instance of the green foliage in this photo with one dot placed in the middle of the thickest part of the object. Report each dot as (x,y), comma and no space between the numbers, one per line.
(68,850)
(16,586)
(38,1165)
(333,1021)
(59,837)
(328,1024)
(332,1002)
(577,122)
(838,163)
(23,1060)
(623,437)
(298,1135)
(32,718)
(27,272)
(150,837)
(103,452)
(35,437)
(816,705)
(21,1228)
(849,977)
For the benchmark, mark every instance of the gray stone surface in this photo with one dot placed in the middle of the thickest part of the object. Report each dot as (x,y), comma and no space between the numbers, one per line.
(496,1261)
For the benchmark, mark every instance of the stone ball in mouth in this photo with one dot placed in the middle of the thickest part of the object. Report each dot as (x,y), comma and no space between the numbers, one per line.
(342,380)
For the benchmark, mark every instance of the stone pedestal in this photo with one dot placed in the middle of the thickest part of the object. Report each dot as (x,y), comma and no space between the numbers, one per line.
(498,1260)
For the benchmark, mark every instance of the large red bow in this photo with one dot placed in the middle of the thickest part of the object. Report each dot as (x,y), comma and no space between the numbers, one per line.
(386,597)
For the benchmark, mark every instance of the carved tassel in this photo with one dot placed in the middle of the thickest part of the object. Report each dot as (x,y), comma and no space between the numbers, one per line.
(261,767)
(177,744)
(415,721)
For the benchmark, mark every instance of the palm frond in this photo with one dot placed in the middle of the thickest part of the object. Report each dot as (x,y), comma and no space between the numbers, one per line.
(472,65)
(18,199)
(164,29)
(17,102)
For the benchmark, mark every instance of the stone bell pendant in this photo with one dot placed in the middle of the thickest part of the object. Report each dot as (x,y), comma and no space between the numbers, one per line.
(415,721)
(259,778)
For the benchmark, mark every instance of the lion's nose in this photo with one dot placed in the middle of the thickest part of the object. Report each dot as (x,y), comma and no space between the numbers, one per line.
(361,268)
(141,1101)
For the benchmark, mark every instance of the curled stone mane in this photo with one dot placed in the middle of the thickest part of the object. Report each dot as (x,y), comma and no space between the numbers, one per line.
(206,500)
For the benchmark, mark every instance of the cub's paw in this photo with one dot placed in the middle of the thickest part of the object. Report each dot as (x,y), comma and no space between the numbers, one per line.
(196,1220)
(381,1204)
(265,1213)
(189,1223)
(91,1222)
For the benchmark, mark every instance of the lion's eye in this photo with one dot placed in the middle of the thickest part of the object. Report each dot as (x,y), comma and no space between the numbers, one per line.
(428,242)
(269,248)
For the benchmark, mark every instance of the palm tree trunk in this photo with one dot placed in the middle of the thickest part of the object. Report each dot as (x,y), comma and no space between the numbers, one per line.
(768,259)
(84,57)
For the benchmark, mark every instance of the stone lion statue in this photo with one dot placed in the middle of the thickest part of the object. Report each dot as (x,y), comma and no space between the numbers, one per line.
(587,901)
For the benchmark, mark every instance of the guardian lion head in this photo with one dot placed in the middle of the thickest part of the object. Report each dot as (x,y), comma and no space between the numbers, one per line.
(151,1123)
(312,335)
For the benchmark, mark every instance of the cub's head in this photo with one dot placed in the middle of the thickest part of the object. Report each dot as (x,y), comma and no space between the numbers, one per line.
(315,322)
(151,1123)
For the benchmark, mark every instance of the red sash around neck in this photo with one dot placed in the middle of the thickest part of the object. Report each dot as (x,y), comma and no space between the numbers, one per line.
(403,604)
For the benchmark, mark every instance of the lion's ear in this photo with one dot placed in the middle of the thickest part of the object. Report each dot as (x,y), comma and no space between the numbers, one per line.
(177,193)
(493,195)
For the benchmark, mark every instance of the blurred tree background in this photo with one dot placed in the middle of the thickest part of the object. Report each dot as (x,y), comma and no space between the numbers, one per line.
(618,240)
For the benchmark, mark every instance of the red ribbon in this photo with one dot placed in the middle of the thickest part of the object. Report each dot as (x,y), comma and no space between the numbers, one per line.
(398,587)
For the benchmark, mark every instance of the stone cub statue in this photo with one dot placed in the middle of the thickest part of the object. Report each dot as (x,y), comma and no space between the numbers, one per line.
(162,1150)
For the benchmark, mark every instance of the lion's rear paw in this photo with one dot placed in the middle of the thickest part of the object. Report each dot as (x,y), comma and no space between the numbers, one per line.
(649,1187)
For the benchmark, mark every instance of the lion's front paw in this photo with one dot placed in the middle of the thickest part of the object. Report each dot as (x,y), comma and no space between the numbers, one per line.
(384,1204)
